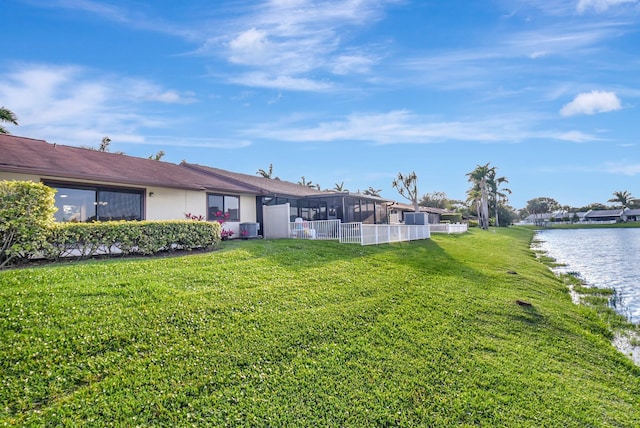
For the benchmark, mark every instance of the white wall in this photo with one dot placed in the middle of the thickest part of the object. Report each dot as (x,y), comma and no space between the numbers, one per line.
(172,204)
(276,221)
(248,209)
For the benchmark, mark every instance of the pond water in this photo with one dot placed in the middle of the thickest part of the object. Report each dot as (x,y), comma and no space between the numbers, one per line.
(604,258)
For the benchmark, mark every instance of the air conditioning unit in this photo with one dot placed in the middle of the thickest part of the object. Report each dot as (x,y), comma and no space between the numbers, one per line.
(416,218)
(249,230)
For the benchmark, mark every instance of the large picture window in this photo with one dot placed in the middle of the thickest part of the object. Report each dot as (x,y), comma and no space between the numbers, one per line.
(221,205)
(79,203)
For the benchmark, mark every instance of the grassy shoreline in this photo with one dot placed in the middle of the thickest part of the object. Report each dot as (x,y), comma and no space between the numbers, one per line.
(298,333)
(629,225)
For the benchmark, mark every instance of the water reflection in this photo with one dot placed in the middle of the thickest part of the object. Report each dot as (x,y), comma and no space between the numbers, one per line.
(607,258)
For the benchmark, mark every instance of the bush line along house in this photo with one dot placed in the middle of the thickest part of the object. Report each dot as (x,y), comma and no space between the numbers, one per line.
(95,185)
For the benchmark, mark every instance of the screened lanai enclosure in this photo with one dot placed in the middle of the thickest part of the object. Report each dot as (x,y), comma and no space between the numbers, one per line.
(346,207)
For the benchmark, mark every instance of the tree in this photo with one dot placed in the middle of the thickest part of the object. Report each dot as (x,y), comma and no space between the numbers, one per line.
(304,182)
(157,156)
(267,174)
(480,191)
(622,199)
(407,186)
(104,145)
(8,116)
(498,195)
(340,187)
(372,192)
(507,214)
(474,200)
(595,206)
(541,205)
(435,200)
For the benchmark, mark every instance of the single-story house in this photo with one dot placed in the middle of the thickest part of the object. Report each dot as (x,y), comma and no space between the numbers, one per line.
(555,217)
(537,219)
(398,210)
(631,215)
(603,215)
(95,185)
(305,202)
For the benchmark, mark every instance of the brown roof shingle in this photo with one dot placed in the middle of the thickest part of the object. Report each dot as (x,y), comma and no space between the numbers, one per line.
(31,156)
(266,185)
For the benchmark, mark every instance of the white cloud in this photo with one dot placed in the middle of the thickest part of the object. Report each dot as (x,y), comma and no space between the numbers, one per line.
(630,169)
(393,127)
(576,137)
(249,47)
(209,143)
(600,5)
(350,64)
(299,36)
(591,103)
(538,54)
(76,106)
(263,80)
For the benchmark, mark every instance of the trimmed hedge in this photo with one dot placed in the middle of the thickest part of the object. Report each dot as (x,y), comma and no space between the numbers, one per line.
(28,230)
(84,240)
(26,218)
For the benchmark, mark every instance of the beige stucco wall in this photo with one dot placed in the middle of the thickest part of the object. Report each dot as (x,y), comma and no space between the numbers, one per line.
(172,204)
(19,177)
(163,203)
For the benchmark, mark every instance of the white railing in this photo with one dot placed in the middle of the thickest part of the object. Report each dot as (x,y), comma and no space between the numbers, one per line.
(317,229)
(373,234)
(368,234)
(351,233)
(448,228)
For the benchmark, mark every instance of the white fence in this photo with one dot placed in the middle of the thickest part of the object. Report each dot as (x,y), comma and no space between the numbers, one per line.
(318,229)
(449,228)
(371,234)
(368,234)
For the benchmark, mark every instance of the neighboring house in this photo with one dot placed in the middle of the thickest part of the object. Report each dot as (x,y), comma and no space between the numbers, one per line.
(94,185)
(631,215)
(398,210)
(579,216)
(305,202)
(537,219)
(603,215)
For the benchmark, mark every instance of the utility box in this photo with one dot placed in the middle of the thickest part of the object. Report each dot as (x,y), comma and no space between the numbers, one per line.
(249,230)
(416,218)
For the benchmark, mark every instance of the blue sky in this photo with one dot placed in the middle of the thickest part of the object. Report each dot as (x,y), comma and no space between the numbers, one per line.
(350,91)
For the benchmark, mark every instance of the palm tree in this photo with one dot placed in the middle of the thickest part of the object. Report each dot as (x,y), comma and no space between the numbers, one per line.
(407,186)
(623,199)
(340,187)
(372,192)
(8,116)
(497,195)
(267,174)
(480,179)
(304,182)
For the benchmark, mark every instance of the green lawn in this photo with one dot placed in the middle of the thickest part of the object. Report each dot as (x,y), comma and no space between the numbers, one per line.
(303,333)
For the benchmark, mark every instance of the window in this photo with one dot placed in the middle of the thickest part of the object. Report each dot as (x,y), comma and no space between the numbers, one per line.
(221,205)
(79,203)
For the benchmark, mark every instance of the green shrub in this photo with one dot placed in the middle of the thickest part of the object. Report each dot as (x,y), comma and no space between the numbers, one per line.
(26,215)
(451,218)
(126,237)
